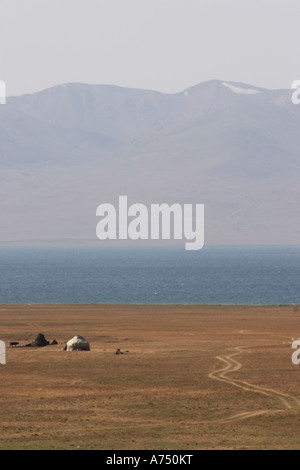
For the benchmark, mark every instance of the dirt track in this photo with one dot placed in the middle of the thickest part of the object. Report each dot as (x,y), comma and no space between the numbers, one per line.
(232,365)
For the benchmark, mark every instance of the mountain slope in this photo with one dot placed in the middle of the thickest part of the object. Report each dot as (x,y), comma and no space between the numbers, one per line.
(231,146)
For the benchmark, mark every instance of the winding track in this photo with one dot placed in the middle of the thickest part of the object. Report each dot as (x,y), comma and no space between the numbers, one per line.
(232,365)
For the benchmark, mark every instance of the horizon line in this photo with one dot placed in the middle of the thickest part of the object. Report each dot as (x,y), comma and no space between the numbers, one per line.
(58,85)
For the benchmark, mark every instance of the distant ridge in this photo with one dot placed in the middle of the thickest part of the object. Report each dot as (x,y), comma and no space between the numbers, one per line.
(229,145)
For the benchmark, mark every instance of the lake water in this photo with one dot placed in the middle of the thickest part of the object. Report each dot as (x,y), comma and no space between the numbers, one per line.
(213,275)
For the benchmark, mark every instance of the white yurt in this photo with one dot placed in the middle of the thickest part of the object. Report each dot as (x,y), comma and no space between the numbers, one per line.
(78,343)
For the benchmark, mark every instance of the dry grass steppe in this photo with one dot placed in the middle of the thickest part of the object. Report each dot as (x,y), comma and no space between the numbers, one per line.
(194,377)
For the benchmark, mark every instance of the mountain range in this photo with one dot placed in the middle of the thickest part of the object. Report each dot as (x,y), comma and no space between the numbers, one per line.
(231,146)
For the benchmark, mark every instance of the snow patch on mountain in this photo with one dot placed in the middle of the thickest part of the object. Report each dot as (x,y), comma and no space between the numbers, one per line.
(244,91)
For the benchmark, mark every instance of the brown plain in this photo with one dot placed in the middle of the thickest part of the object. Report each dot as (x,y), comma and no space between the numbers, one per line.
(191,377)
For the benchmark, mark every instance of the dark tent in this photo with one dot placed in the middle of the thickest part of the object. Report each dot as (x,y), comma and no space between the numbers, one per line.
(40,341)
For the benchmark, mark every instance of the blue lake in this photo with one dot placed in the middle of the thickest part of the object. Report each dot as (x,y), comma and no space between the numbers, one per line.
(213,275)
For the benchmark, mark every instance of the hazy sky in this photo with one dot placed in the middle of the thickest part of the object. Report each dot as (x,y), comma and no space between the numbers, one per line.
(165,45)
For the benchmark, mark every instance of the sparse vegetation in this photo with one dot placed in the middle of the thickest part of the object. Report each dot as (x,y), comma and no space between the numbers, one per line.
(165,392)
